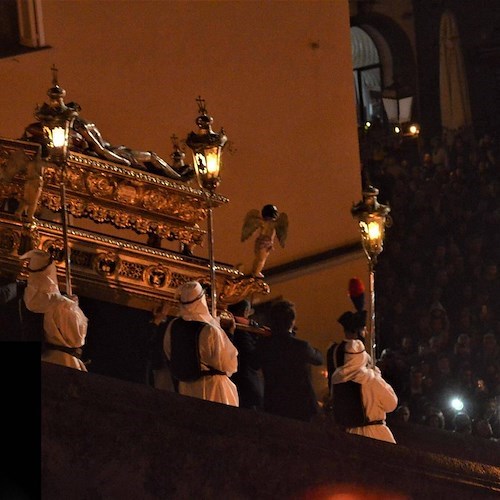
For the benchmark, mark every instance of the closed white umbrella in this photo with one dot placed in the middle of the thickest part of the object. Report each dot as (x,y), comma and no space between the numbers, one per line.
(454,93)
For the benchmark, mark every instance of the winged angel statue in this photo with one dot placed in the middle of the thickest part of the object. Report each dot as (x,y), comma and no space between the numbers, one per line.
(270,224)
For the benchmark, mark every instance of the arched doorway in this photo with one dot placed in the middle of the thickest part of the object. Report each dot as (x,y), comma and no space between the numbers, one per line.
(384,69)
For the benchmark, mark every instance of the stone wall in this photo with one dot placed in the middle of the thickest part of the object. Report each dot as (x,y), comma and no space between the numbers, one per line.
(104,438)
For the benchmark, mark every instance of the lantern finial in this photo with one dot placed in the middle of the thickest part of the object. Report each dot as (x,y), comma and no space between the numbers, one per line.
(56,119)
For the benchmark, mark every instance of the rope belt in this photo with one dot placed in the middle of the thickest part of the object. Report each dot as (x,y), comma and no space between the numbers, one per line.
(374,422)
(73,351)
(371,422)
(212,371)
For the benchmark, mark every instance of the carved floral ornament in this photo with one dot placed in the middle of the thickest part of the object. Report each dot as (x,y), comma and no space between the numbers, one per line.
(97,184)
(129,192)
(79,207)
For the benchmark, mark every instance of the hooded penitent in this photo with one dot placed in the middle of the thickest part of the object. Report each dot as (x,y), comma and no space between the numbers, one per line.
(64,323)
(216,351)
(378,397)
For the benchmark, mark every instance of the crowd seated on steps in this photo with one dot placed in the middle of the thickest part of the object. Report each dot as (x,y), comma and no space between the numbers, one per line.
(437,285)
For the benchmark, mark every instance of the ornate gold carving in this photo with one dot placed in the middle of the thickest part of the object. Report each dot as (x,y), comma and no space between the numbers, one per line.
(236,289)
(11,190)
(9,240)
(100,185)
(55,247)
(109,268)
(177,279)
(128,193)
(97,212)
(142,276)
(51,201)
(109,193)
(157,276)
(52,174)
(132,270)
(142,225)
(81,258)
(76,207)
(106,264)
(29,237)
(155,200)
(75,179)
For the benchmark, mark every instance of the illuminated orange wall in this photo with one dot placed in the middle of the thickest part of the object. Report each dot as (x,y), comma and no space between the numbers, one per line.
(276,75)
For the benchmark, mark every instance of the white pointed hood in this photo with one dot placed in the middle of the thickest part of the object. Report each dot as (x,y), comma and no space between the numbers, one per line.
(356,365)
(193,303)
(42,281)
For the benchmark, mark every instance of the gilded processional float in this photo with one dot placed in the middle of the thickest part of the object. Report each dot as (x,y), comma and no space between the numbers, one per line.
(63,203)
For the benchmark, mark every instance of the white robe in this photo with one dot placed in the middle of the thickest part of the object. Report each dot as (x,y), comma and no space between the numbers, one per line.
(64,324)
(378,397)
(216,351)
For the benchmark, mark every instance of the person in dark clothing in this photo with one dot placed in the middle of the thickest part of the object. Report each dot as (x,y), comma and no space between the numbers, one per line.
(17,323)
(201,356)
(286,362)
(248,380)
(157,370)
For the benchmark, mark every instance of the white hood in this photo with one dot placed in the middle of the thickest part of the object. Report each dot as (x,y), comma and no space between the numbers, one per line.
(356,366)
(193,303)
(42,281)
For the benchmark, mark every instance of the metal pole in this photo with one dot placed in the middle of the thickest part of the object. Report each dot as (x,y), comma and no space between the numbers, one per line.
(64,216)
(372,338)
(211,257)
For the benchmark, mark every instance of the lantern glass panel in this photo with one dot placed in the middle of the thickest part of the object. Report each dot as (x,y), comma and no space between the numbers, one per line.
(207,164)
(212,156)
(374,231)
(398,110)
(200,164)
(372,235)
(58,137)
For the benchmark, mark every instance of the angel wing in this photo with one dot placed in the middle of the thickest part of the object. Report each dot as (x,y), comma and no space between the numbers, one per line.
(282,228)
(251,223)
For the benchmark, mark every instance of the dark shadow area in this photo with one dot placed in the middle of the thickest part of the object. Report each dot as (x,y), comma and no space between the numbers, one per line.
(117,338)
(20,375)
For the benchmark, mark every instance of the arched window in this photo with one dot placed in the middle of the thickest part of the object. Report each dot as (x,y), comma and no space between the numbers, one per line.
(367,77)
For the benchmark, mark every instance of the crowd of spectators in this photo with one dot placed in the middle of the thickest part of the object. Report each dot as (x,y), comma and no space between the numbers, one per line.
(437,283)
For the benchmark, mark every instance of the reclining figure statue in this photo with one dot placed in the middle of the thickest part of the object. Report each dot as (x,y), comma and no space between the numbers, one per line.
(86,138)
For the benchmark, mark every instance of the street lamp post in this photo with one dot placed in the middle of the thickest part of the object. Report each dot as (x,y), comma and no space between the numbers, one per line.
(56,119)
(206,146)
(372,218)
